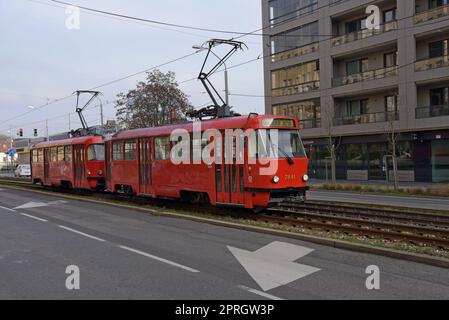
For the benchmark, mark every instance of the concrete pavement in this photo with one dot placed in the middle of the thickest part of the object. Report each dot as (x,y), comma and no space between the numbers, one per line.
(128,254)
(380,199)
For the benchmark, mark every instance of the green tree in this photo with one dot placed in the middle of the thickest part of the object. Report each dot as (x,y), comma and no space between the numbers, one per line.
(158,101)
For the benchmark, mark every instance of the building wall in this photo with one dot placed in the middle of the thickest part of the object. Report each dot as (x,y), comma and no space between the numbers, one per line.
(410,39)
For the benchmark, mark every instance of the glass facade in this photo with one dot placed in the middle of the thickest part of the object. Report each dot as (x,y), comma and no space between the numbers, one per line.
(284,10)
(296,38)
(297,79)
(308,113)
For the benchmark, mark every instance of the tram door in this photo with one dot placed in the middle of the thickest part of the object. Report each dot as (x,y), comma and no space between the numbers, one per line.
(145,156)
(46,164)
(229,175)
(79,165)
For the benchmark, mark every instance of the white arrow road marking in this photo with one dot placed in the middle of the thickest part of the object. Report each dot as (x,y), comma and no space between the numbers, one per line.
(31,205)
(273,265)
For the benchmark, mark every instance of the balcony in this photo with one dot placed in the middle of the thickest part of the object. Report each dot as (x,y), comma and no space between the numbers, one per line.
(366,76)
(309,124)
(432,112)
(310,48)
(296,89)
(367,118)
(363,34)
(433,63)
(432,14)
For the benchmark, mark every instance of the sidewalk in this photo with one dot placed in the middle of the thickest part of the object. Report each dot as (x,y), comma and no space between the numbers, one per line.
(379,183)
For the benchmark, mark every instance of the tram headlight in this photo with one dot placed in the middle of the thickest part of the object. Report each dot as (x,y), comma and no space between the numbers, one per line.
(100,172)
(276,179)
(305,178)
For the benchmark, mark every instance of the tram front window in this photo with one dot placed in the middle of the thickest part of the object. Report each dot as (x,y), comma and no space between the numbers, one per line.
(95,152)
(282,144)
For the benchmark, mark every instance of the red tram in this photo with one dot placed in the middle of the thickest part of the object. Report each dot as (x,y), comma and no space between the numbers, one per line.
(139,162)
(73,163)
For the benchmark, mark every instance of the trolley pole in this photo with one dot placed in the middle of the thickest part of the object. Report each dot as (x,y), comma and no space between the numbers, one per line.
(46,128)
(226,86)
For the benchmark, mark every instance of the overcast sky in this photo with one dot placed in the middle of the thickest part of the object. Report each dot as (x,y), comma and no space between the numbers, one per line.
(40,59)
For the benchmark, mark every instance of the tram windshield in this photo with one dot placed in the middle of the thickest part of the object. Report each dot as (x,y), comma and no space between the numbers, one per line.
(281,144)
(95,152)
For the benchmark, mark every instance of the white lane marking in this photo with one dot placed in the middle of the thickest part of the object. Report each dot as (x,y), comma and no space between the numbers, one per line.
(32,217)
(7,209)
(81,233)
(260,293)
(158,259)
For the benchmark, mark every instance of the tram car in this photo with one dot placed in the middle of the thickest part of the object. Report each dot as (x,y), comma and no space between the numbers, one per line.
(140,162)
(76,163)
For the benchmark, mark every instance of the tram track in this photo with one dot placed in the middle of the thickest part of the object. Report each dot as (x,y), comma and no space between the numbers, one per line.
(419,229)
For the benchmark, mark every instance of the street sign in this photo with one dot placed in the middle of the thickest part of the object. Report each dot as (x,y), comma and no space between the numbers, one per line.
(11,153)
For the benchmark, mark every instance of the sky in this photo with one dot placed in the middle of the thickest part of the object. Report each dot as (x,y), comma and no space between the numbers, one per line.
(42,60)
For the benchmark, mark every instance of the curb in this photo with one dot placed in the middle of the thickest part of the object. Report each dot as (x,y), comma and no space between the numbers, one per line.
(338,244)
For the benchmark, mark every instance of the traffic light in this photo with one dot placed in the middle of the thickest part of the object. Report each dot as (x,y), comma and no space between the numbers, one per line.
(35,132)
(21,132)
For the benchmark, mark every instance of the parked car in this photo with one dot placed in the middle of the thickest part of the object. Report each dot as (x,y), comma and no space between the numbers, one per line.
(23,170)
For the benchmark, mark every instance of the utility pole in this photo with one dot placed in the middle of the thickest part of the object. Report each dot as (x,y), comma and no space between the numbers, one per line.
(101,111)
(226,85)
(70,121)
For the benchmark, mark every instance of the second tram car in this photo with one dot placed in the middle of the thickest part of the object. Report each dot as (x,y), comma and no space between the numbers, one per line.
(72,163)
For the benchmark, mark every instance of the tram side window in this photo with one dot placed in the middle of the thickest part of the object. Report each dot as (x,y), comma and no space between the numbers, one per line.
(162,148)
(35,157)
(68,153)
(54,154)
(40,155)
(197,148)
(130,150)
(60,153)
(117,151)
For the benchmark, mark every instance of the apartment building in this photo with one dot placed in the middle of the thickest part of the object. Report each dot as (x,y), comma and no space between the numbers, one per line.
(363,87)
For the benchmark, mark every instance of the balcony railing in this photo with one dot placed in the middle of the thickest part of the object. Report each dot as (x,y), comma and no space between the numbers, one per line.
(362,34)
(366,76)
(432,14)
(309,124)
(367,118)
(310,48)
(296,89)
(433,63)
(432,111)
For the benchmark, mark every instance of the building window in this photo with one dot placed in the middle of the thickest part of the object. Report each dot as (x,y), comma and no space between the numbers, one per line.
(439,97)
(130,150)
(391,104)
(162,148)
(390,15)
(294,77)
(356,107)
(356,155)
(296,38)
(355,25)
(390,59)
(308,113)
(437,3)
(284,10)
(438,48)
(117,150)
(356,66)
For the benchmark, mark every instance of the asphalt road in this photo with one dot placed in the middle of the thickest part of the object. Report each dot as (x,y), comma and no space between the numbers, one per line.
(379,199)
(126,254)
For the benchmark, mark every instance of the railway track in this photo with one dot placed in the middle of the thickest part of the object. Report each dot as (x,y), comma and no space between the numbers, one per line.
(389,225)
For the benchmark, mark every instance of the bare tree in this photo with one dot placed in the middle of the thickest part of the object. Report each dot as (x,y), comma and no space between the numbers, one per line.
(392,137)
(333,143)
(156,102)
